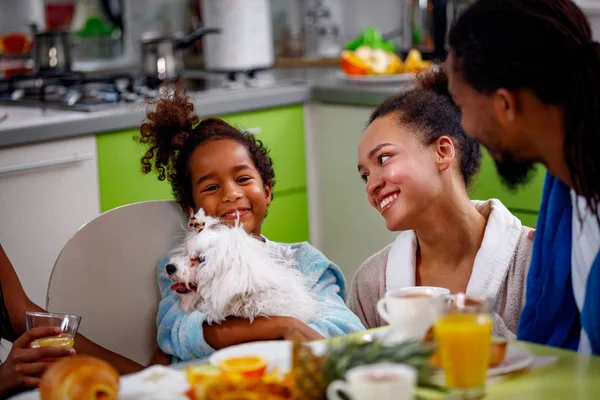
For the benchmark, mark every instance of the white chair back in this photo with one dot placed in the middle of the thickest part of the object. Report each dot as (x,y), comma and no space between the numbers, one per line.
(107,274)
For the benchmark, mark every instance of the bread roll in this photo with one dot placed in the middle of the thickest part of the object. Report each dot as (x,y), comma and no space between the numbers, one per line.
(81,378)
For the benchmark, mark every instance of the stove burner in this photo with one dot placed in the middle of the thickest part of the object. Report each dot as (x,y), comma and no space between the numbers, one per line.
(71,90)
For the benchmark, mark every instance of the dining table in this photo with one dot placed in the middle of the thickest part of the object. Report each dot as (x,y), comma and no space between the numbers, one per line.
(568,375)
(554,374)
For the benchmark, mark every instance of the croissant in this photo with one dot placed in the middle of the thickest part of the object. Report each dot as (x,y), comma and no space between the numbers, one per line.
(81,378)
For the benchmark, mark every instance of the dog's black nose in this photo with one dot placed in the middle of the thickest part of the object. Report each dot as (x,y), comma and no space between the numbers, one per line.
(171,269)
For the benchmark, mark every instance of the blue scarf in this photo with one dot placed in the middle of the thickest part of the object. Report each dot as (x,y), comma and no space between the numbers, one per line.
(550,315)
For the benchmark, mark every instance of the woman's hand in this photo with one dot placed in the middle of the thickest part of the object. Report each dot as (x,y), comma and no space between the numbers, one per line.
(24,366)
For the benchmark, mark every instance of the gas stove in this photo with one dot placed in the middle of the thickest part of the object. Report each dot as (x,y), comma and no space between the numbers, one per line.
(77,91)
(73,91)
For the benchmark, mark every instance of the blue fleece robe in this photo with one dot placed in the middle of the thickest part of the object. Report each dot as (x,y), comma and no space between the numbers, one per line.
(181,335)
(550,315)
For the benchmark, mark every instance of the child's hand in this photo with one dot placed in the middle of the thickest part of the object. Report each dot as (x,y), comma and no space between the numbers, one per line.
(294,329)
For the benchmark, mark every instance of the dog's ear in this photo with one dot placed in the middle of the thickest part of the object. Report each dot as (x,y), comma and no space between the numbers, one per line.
(196,225)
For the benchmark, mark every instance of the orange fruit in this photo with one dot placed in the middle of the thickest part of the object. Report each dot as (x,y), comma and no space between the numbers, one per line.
(351,64)
(197,374)
(248,367)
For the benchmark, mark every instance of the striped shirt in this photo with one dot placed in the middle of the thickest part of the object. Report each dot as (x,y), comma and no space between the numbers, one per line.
(584,249)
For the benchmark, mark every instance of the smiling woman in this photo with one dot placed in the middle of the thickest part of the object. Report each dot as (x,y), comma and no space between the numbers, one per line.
(417,162)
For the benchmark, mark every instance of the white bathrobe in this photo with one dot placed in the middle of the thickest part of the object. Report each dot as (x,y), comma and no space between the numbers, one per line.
(499,270)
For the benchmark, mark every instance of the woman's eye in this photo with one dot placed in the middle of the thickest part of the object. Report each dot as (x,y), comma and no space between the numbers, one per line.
(364,177)
(382,159)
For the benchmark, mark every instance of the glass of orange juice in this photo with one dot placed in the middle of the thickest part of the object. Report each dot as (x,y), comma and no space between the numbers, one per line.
(464,335)
(66,322)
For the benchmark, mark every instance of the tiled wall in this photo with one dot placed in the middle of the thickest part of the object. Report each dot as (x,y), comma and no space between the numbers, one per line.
(352,15)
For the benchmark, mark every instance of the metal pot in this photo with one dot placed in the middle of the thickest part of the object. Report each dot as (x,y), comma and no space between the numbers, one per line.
(52,50)
(162,55)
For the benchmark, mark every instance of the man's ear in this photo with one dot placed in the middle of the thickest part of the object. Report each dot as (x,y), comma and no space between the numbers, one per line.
(505,105)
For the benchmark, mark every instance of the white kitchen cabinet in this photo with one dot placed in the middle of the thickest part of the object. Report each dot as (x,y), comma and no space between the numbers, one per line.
(343,224)
(47,191)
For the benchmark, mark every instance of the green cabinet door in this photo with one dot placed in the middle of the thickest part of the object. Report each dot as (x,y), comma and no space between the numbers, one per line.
(287,218)
(487,185)
(527,218)
(120,175)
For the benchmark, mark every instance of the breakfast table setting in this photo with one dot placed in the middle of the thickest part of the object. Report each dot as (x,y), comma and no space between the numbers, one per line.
(456,357)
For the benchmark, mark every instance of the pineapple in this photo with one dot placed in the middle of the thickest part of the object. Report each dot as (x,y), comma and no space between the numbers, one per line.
(307,377)
(350,354)
(312,374)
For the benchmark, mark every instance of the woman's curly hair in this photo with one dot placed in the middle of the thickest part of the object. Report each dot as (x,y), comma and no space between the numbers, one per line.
(429,109)
(172,131)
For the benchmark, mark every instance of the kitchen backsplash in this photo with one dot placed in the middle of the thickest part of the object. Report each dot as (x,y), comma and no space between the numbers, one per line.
(352,16)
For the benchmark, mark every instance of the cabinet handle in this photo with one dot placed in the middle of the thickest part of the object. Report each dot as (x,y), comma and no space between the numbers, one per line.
(47,163)
(254,131)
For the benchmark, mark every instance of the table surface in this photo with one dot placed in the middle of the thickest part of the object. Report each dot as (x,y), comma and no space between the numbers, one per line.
(572,376)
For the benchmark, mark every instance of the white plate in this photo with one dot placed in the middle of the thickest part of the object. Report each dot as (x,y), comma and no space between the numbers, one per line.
(394,78)
(153,383)
(515,359)
(278,352)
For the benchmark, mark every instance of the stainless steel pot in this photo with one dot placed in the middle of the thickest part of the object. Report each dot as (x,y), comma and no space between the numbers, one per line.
(52,50)
(162,55)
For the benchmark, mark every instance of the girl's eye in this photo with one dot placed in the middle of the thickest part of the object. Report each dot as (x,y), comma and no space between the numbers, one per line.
(382,159)
(364,177)
(243,179)
(210,188)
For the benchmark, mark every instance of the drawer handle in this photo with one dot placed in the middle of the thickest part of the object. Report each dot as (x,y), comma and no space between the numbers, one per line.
(48,163)
(254,131)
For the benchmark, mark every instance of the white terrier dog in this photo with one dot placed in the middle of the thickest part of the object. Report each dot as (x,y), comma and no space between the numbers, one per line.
(223,272)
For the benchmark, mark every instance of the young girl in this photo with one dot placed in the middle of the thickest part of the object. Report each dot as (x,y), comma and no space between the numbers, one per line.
(417,163)
(214,166)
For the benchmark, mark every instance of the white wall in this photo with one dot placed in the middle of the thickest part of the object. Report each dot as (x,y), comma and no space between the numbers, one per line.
(591,8)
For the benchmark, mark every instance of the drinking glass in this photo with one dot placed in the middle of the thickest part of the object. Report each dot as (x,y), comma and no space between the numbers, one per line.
(464,335)
(66,322)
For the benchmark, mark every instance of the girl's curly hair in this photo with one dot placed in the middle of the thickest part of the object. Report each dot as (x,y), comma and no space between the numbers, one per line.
(172,131)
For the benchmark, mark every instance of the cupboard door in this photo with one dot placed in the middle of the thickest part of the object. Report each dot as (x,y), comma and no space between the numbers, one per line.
(47,191)
(487,185)
(287,218)
(120,174)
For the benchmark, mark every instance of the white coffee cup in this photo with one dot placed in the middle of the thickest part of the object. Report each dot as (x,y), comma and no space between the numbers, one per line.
(383,381)
(411,311)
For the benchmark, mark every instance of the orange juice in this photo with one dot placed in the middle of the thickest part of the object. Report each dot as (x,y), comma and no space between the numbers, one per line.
(464,342)
(61,340)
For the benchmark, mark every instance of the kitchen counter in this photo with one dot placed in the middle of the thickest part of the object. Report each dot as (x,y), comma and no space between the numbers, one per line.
(283,87)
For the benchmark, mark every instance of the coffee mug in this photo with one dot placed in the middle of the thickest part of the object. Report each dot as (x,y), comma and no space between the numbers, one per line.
(411,311)
(383,381)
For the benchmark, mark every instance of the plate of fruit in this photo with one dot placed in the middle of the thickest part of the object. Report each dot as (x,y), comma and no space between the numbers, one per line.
(371,58)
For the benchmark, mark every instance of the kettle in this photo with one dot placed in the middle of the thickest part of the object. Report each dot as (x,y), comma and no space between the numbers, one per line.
(162,55)
(246,42)
(425,25)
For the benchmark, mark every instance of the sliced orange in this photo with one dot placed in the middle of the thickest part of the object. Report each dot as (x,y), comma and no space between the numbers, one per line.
(197,374)
(351,64)
(248,367)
